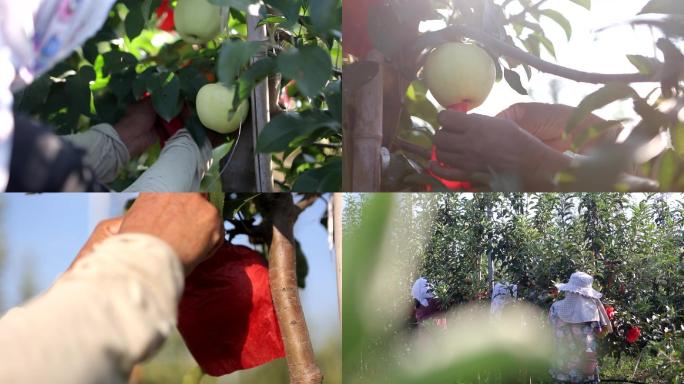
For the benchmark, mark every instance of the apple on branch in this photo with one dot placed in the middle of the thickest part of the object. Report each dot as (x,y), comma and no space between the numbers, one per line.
(197,21)
(215,108)
(460,77)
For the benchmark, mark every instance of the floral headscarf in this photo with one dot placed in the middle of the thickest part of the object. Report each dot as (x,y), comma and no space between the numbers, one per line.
(34,36)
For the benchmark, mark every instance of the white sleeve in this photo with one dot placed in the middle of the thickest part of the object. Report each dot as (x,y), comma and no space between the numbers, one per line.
(112,310)
(180,167)
(106,153)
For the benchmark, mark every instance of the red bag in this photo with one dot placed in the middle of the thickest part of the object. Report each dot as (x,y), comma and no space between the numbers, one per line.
(165,15)
(226,315)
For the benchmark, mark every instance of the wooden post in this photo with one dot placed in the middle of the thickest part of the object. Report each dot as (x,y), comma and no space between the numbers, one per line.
(366,133)
(260,105)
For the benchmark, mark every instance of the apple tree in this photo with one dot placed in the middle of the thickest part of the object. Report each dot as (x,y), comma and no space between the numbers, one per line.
(280,57)
(390,118)
(462,243)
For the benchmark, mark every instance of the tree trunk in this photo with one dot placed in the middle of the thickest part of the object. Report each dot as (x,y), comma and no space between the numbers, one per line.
(337,234)
(283,278)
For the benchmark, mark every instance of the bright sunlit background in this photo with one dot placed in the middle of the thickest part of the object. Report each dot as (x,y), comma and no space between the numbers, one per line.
(588,50)
(41,234)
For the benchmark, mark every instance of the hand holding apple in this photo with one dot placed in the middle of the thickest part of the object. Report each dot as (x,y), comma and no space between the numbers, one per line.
(480,144)
(197,21)
(460,77)
(215,108)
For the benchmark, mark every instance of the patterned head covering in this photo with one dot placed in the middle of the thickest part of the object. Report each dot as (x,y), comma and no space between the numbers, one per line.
(34,36)
(421,291)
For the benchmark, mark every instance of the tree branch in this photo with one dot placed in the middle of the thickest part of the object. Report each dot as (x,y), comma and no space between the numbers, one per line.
(455,32)
(307,201)
(412,148)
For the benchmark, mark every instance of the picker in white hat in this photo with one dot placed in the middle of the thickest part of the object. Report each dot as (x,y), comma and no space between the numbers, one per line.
(578,320)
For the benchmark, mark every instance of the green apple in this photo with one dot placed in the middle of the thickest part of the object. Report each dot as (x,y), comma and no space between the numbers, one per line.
(197,21)
(459,73)
(215,108)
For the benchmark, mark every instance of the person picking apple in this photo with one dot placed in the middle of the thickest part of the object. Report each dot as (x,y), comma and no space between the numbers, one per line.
(119,300)
(526,140)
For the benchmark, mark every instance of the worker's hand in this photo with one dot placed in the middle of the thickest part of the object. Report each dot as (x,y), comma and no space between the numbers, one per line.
(547,122)
(472,145)
(102,231)
(186,221)
(136,128)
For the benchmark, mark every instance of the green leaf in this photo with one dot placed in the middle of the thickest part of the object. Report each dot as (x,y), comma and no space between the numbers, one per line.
(134,22)
(673,7)
(234,55)
(548,45)
(237,4)
(333,97)
(643,64)
(78,90)
(285,128)
(166,99)
(218,199)
(323,179)
(309,66)
(668,170)
(602,97)
(272,20)
(117,61)
(196,128)
(191,81)
(513,79)
(324,15)
(252,76)
(289,8)
(584,3)
(559,19)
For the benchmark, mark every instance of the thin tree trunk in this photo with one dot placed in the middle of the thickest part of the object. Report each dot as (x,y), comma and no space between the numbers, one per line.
(301,361)
(337,233)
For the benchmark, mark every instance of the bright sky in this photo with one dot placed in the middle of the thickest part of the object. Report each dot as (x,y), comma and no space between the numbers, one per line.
(603,52)
(44,232)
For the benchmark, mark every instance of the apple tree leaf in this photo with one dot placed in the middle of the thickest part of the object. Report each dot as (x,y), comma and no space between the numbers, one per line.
(310,66)
(326,178)
(166,98)
(513,79)
(559,19)
(237,4)
(604,96)
(584,3)
(673,7)
(234,55)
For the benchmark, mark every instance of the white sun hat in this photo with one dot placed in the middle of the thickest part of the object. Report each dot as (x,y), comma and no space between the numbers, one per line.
(582,302)
(580,283)
(421,291)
